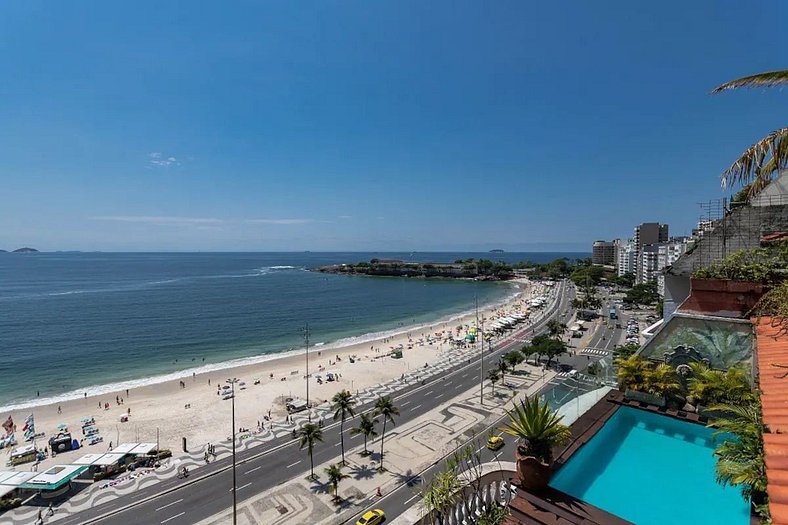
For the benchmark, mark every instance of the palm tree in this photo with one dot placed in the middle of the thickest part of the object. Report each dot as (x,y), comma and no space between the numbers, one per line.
(310,434)
(632,372)
(385,407)
(740,461)
(494,378)
(709,386)
(366,426)
(335,475)
(556,328)
(538,428)
(343,407)
(756,166)
(663,381)
(502,366)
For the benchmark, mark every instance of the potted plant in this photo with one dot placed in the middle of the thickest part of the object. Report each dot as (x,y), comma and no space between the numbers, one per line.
(538,430)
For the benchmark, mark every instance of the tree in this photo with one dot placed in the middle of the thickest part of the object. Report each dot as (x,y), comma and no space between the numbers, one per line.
(711,387)
(556,327)
(544,345)
(335,475)
(527,351)
(513,358)
(385,407)
(538,428)
(756,166)
(310,434)
(632,372)
(493,376)
(740,461)
(502,366)
(442,493)
(626,350)
(662,381)
(644,293)
(627,280)
(366,427)
(343,403)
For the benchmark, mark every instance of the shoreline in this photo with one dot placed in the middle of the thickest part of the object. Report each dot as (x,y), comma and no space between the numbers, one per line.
(516,289)
(193,408)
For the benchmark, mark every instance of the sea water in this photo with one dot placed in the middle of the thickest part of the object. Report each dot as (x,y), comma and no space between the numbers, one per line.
(85,322)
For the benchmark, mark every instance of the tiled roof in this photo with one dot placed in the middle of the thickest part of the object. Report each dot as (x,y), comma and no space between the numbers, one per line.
(773,376)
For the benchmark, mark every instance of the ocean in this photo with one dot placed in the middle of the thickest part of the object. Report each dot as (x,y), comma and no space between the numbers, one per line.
(88,322)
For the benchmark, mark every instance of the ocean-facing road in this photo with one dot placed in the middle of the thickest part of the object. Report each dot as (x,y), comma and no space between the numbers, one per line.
(209,489)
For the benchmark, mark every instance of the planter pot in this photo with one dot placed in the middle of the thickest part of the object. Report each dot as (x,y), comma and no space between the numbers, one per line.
(533,474)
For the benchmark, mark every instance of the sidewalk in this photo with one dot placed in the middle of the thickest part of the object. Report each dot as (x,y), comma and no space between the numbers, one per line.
(409,449)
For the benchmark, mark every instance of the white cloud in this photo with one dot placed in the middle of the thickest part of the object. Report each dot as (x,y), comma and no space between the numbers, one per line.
(161,221)
(157,159)
(279,221)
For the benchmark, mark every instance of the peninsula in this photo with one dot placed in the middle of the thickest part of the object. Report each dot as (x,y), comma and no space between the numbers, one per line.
(481,269)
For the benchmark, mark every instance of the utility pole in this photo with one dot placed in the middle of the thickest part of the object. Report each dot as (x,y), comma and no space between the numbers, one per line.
(306,339)
(232,382)
(481,353)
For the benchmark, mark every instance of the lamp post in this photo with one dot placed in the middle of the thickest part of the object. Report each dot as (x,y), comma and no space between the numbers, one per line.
(232,382)
(306,340)
(481,354)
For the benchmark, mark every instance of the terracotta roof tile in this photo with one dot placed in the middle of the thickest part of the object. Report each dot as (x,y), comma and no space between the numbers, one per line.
(772,352)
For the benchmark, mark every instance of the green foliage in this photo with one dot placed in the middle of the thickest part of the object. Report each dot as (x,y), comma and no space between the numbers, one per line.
(342,403)
(740,461)
(10,503)
(644,293)
(366,427)
(544,345)
(441,494)
(627,280)
(537,427)
(758,265)
(384,406)
(309,435)
(714,387)
(493,377)
(493,515)
(775,306)
(513,358)
(640,374)
(335,475)
(556,327)
(626,350)
(587,275)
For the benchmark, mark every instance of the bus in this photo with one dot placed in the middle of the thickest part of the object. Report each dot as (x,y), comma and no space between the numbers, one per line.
(613,314)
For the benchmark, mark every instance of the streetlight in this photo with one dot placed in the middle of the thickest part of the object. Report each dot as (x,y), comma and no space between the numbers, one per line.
(232,382)
(306,340)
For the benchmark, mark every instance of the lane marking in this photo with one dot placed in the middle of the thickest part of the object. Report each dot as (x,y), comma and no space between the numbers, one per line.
(439,396)
(417,407)
(169,504)
(294,464)
(252,470)
(406,403)
(244,486)
(411,499)
(428,393)
(172,518)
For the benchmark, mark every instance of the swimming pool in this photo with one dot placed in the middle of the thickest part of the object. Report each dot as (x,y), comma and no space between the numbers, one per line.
(652,470)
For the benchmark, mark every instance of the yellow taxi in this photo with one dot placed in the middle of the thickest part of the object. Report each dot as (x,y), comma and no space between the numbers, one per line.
(495,442)
(372,517)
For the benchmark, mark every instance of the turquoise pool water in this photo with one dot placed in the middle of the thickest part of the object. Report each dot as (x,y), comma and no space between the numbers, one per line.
(652,470)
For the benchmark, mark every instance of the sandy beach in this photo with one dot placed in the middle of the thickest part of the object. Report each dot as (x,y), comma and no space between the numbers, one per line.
(192,408)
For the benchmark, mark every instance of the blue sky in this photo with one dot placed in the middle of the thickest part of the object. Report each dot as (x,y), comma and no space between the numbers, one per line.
(372,125)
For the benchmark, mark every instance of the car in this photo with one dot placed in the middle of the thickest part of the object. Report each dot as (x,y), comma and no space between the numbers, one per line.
(372,517)
(495,442)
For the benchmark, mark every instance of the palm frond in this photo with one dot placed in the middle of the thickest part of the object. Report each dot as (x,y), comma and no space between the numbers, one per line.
(765,80)
(759,162)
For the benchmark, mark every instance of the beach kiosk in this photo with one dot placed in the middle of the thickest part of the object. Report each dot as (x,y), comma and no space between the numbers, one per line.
(55,481)
(10,482)
(23,454)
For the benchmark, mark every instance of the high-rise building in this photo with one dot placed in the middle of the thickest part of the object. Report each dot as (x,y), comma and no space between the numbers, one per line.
(667,254)
(647,233)
(604,252)
(625,258)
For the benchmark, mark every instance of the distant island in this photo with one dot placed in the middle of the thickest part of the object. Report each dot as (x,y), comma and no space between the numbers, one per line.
(498,250)
(481,269)
(24,250)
